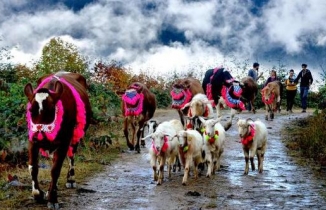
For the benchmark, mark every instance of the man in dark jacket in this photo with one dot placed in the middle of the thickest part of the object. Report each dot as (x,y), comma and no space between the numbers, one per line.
(306,80)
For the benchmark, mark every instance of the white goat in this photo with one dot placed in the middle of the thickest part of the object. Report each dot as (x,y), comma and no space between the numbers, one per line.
(190,151)
(214,137)
(198,106)
(151,125)
(164,147)
(253,136)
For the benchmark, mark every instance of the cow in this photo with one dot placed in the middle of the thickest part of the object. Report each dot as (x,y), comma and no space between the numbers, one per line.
(250,91)
(220,86)
(58,115)
(182,92)
(271,97)
(138,106)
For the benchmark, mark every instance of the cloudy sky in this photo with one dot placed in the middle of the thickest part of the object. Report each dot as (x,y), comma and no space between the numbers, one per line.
(167,35)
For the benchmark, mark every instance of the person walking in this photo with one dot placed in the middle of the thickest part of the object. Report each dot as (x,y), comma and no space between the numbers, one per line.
(291,91)
(272,78)
(253,73)
(306,80)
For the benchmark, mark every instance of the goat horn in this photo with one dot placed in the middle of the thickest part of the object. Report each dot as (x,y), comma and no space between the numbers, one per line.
(249,119)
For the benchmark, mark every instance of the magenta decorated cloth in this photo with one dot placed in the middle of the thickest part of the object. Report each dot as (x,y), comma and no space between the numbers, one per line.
(133,102)
(234,103)
(180,97)
(51,130)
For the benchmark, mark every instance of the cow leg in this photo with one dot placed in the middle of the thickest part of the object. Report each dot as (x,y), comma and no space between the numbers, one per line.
(133,128)
(126,133)
(33,151)
(57,162)
(141,124)
(181,117)
(71,183)
(252,106)
(267,107)
(229,122)
(142,142)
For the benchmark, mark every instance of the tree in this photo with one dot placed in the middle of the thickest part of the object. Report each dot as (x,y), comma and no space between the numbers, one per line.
(112,75)
(60,55)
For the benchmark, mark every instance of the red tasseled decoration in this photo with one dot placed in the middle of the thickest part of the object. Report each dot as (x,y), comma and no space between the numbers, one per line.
(165,145)
(39,136)
(246,140)
(270,100)
(189,126)
(70,151)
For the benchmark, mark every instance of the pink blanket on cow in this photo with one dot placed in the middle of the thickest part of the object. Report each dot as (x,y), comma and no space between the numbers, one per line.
(51,130)
(180,97)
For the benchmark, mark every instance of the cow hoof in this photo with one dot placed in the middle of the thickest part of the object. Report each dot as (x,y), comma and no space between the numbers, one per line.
(137,148)
(53,205)
(40,197)
(142,142)
(71,184)
(174,168)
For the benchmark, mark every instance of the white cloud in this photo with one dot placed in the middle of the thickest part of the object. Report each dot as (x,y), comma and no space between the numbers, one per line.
(213,31)
(290,22)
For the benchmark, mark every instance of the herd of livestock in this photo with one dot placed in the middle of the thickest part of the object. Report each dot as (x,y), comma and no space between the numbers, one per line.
(59,113)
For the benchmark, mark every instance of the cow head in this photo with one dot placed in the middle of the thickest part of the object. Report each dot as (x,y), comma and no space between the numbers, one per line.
(42,102)
(267,92)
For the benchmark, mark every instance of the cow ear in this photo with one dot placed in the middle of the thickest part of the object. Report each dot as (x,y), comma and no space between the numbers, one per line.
(58,90)
(28,90)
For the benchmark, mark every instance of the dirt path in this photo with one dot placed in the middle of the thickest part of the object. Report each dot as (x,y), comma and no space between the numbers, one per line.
(285,184)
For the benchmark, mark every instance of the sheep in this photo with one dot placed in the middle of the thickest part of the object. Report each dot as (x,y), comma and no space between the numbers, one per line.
(214,137)
(253,136)
(164,147)
(190,151)
(198,106)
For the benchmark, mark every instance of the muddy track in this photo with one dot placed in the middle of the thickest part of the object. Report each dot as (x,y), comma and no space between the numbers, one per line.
(284,184)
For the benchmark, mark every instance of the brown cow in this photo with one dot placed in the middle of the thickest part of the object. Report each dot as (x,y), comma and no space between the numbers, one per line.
(58,115)
(139,105)
(182,92)
(250,91)
(271,96)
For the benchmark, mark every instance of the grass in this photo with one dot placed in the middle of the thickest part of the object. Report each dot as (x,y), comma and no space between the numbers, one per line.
(307,136)
(88,162)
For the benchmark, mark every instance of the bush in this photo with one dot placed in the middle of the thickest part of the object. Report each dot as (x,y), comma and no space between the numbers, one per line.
(163,98)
